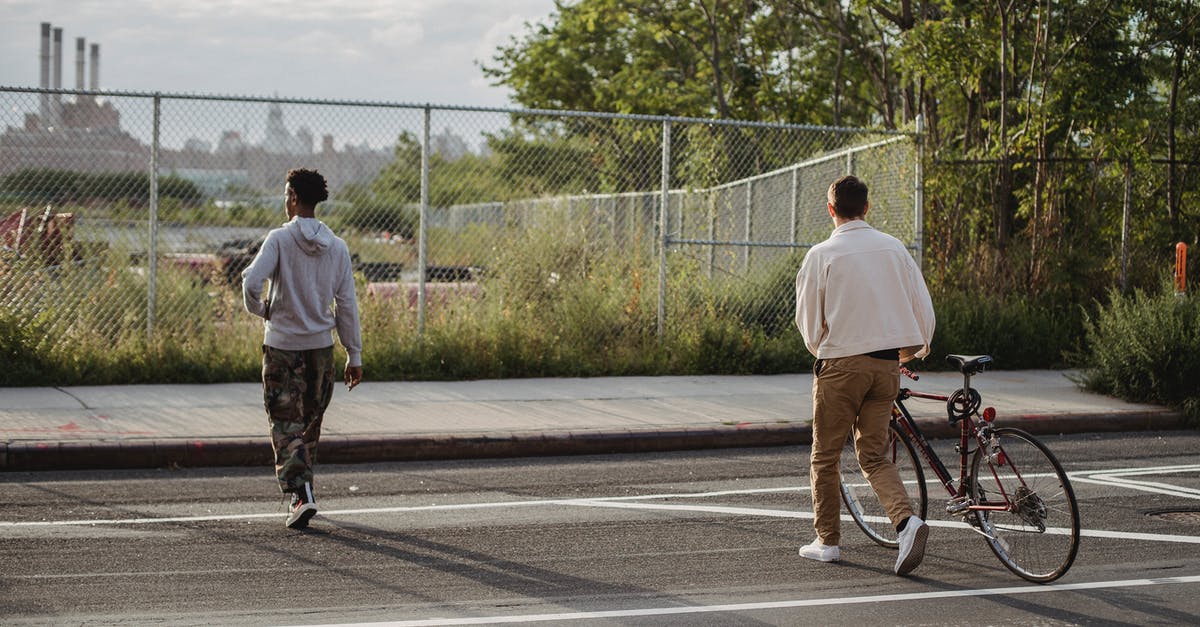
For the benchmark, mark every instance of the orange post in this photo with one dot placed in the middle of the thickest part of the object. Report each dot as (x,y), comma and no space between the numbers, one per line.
(1180,269)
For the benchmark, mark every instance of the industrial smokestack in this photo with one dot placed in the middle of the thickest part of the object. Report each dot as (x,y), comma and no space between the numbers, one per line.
(79,52)
(44,110)
(56,68)
(56,101)
(95,67)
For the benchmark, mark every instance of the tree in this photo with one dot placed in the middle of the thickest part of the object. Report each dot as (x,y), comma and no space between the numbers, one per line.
(1033,108)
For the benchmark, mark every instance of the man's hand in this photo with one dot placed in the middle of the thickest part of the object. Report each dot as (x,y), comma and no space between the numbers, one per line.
(354,376)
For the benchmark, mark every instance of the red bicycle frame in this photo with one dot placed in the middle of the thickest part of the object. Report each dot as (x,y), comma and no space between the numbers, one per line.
(968,432)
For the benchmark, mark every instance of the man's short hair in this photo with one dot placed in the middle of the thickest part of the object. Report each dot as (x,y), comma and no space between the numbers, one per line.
(848,195)
(309,185)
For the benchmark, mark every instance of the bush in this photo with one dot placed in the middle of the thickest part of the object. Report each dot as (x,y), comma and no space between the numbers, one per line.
(19,350)
(554,300)
(1146,348)
(61,186)
(1018,331)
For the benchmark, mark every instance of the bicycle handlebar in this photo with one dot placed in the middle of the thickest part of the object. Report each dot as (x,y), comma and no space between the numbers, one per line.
(910,374)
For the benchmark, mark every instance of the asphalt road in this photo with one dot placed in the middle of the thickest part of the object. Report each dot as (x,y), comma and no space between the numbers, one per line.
(693,538)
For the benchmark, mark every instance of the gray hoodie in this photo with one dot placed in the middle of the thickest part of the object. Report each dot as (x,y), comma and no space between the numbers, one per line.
(308,269)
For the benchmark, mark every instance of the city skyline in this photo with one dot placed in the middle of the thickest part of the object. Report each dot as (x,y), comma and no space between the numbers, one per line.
(407,51)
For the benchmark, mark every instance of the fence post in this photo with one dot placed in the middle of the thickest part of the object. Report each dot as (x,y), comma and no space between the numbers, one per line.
(1125,222)
(422,226)
(664,236)
(919,195)
(749,220)
(795,200)
(714,199)
(152,249)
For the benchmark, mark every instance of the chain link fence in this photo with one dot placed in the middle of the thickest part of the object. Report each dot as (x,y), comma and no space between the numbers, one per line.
(131,215)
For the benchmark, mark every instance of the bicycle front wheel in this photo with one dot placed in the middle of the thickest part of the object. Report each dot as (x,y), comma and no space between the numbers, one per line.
(860,499)
(1034,524)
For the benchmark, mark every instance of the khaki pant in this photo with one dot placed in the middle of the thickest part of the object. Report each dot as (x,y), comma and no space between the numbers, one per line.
(854,393)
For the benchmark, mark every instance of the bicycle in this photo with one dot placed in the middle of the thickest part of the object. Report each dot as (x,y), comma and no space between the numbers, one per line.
(1014,491)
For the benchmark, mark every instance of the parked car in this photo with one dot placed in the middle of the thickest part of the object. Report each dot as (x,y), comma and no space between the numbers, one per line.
(235,255)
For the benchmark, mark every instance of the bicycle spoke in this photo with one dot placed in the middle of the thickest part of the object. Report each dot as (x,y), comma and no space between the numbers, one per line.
(1038,536)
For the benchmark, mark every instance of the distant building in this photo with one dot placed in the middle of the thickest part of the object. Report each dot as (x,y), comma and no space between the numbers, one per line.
(279,141)
(197,145)
(83,134)
(214,183)
(87,138)
(449,146)
(230,143)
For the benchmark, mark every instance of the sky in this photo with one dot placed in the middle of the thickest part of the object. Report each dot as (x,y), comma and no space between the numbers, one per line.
(419,51)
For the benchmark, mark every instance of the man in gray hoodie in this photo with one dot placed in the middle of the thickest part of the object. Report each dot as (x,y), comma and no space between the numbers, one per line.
(307,269)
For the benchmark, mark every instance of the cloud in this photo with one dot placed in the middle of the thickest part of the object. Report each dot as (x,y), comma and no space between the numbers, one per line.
(413,50)
(498,35)
(400,34)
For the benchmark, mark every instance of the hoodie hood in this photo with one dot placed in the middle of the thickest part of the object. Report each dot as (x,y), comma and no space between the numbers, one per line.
(311,235)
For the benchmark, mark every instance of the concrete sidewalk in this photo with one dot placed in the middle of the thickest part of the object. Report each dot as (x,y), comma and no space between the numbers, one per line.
(145,426)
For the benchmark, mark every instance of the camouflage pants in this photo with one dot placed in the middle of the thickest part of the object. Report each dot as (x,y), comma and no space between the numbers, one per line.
(297,387)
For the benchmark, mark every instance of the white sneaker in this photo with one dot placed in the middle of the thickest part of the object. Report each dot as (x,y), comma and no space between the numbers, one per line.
(912,545)
(820,552)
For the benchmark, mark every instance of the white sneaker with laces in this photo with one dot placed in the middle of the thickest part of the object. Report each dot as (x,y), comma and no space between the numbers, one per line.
(820,552)
(912,545)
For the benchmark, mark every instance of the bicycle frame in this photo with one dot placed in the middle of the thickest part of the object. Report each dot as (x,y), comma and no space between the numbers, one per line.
(959,496)
(1029,517)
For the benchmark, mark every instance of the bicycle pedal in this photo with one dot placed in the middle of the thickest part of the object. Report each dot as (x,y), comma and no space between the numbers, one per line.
(958,506)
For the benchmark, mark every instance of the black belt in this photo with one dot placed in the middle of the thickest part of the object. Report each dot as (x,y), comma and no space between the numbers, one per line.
(890,354)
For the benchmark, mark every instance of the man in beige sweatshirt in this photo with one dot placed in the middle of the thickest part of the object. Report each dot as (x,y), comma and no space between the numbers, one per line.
(863,308)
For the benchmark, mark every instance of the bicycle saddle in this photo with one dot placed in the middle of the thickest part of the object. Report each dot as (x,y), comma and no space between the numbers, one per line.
(970,364)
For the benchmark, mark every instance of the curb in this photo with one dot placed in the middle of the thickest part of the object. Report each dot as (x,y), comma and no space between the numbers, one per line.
(134,454)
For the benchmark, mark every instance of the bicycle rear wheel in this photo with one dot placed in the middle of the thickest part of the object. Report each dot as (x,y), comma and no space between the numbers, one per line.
(1037,536)
(860,499)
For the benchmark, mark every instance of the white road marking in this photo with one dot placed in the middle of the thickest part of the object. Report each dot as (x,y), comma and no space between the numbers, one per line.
(1145,470)
(1105,477)
(1117,477)
(400,509)
(951,524)
(775,605)
(616,502)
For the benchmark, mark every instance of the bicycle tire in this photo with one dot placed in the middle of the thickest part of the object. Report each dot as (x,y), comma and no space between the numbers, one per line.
(1038,538)
(862,503)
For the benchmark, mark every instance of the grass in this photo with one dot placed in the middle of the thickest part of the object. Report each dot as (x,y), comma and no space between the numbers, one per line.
(554,300)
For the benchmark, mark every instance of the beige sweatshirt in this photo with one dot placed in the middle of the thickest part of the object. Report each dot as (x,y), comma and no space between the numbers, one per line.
(861,291)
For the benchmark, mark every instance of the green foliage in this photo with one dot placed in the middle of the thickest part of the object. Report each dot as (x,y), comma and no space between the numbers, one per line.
(553,302)
(1020,332)
(465,179)
(63,186)
(1145,347)
(543,159)
(767,61)
(1042,102)
(19,341)
(1032,112)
